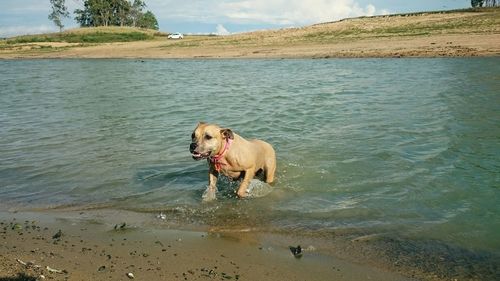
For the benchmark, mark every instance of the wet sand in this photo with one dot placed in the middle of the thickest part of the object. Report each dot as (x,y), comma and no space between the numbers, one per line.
(89,245)
(122,245)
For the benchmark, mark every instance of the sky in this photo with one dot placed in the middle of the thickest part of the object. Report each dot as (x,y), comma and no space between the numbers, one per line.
(19,17)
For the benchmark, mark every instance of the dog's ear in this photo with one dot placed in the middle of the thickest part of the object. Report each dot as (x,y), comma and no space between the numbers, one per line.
(227,134)
(201,123)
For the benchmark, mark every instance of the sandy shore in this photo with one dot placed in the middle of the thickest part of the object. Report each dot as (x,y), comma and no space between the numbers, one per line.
(87,245)
(104,244)
(428,46)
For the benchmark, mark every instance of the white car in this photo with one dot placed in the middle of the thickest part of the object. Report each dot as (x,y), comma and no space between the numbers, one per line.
(175,36)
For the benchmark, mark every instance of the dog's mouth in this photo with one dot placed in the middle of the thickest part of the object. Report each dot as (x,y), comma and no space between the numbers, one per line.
(198,156)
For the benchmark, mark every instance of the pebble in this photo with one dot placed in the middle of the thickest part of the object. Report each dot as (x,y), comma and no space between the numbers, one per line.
(101,268)
(296,251)
(130,275)
(57,235)
(161,216)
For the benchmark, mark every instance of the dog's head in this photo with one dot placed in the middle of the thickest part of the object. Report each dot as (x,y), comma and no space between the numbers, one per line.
(207,140)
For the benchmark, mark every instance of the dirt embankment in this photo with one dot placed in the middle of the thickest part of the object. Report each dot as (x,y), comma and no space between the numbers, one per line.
(421,35)
(451,34)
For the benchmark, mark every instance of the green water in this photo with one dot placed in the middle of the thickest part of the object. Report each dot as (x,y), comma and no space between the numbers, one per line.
(409,147)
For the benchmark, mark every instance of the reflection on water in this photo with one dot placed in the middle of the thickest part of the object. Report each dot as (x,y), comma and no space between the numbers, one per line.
(406,146)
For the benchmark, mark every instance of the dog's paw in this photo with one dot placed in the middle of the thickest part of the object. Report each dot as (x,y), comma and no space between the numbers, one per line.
(209,195)
(242,193)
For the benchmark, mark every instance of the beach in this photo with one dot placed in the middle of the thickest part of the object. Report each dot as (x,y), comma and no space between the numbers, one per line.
(88,245)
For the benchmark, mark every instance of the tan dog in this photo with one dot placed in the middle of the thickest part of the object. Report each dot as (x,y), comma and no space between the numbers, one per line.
(231,155)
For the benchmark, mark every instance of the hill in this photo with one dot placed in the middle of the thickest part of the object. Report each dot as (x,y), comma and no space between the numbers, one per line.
(469,32)
(90,35)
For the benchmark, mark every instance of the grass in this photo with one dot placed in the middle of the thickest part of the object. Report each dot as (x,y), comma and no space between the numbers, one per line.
(90,35)
(95,37)
(469,21)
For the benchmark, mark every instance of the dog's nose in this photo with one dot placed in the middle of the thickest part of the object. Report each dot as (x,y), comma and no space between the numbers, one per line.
(192,147)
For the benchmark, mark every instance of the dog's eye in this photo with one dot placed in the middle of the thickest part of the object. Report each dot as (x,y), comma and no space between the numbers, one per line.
(208,137)
(192,136)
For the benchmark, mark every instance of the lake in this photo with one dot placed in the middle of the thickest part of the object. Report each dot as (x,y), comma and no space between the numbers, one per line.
(409,147)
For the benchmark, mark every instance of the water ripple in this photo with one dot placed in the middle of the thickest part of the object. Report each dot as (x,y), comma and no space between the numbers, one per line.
(399,145)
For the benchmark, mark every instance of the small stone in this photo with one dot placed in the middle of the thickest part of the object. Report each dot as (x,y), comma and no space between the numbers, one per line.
(130,275)
(161,216)
(121,226)
(296,251)
(101,268)
(57,235)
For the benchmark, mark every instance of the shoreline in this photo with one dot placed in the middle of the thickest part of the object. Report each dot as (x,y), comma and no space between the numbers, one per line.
(434,46)
(99,244)
(84,245)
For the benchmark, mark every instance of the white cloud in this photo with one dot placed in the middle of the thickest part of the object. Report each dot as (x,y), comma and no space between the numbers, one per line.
(221,30)
(280,12)
(293,11)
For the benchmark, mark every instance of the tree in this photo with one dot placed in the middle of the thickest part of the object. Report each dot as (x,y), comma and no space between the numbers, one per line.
(122,10)
(476,3)
(484,3)
(84,17)
(491,3)
(136,11)
(115,12)
(59,11)
(101,11)
(148,20)
(97,13)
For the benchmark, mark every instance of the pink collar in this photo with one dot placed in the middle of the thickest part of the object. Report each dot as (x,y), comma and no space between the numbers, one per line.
(217,158)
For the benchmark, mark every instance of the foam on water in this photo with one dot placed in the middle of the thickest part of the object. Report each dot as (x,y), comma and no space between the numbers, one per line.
(258,188)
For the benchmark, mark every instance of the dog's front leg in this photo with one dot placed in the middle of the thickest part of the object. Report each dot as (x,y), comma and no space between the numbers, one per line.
(211,190)
(242,190)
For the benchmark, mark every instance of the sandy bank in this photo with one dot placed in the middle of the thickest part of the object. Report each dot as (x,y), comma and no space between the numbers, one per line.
(89,246)
(442,34)
(428,46)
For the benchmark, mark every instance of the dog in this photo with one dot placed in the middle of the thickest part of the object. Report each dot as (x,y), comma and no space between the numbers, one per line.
(231,155)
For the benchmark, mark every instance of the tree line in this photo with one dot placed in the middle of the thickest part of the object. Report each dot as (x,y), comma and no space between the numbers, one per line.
(106,13)
(485,3)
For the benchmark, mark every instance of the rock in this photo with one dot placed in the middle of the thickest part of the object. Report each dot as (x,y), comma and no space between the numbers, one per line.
(161,216)
(121,226)
(130,275)
(57,235)
(296,251)
(101,268)
(53,270)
